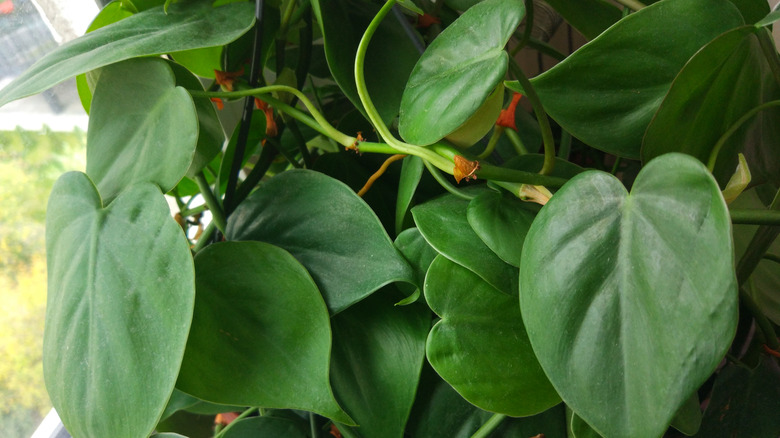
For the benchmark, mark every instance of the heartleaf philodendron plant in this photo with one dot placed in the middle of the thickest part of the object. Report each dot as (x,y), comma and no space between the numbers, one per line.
(596,258)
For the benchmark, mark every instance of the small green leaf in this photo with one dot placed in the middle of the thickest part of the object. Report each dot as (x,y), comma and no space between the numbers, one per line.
(480,346)
(688,419)
(626,307)
(328,228)
(606,92)
(411,173)
(417,251)
(722,82)
(769,19)
(458,71)
(252,345)
(143,128)
(444,225)
(188,25)
(121,293)
(501,221)
(378,351)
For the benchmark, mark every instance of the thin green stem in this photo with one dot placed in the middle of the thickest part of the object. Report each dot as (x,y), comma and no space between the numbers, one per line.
(204,238)
(758,246)
(541,116)
(632,4)
(217,214)
(243,415)
(771,257)
(529,25)
(516,141)
(755,216)
(446,184)
(733,128)
(321,124)
(770,52)
(288,12)
(491,146)
(616,165)
(315,433)
(186,212)
(770,337)
(495,173)
(489,426)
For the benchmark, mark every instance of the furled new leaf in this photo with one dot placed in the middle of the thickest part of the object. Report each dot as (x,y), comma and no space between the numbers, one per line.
(626,306)
(120,300)
(328,228)
(458,71)
(480,346)
(186,26)
(606,92)
(143,127)
(260,332)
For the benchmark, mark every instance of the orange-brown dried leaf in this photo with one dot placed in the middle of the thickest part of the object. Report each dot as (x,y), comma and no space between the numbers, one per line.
(425,21)
(464,169)
(218,102)
(226,78)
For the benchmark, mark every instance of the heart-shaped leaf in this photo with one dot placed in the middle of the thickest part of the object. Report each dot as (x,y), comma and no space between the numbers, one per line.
(630,300)
(480,346)
(606,92)
(444,225)
(501,221)
(328,228)
(121,293)
(378,352)
(143,128)
(590,17)
(458,71)
(189,25)
(260,332)
(722,82)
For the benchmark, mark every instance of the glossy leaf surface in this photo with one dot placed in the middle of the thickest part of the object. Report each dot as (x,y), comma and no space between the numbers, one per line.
(480,346)
(501,221)
(260,332)
(721,83)
(344,246)
(378,352)
(143,127)
(444,225)
(411,172)
(186,26)
(120,299)
(590,17)
(458,71)
(626,307)
(607,91)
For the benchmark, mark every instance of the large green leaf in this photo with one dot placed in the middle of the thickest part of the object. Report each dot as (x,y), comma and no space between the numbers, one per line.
(143,128)
(501,221)
(260,332)
(121,293)
(589,17)
(458,71)
(342,23)
(607,91)
(328,228)
(378,352)
(411,173)
(189,25)
(480,345)
(744,402)
(444,224)
(722,82)
(630,300)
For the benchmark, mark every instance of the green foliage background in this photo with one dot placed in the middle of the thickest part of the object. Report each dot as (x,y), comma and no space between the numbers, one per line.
(30,162)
